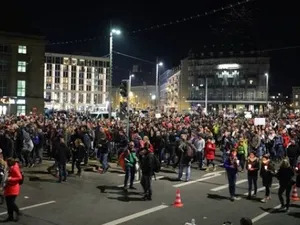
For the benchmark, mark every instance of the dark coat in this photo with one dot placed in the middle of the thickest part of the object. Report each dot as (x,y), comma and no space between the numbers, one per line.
(267,175)
(63,154)
(147,164)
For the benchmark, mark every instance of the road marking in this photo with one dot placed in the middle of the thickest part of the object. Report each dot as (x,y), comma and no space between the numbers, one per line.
(276,186)
(136,215)
(226,185)
(195,181)
(137,182)
(121,175)
(32,206)
(213,173)
(259,217)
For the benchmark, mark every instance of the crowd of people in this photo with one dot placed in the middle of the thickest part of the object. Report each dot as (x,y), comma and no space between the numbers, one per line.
(174,141)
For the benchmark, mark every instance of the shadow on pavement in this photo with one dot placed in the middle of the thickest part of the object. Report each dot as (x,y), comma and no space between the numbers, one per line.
(27,219)
(295,214)
(171,179)
(37,172)
(38,179)
(126,198)
(217,197)
(165,170)
(272,211)
(116,171)
(103,188)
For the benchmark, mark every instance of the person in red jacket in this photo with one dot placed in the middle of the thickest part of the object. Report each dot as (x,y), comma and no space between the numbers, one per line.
(209,152)
(12,189)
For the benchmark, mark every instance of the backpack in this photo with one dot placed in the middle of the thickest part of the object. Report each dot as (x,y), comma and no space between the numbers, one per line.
(157,165)
(22,179)
(190,151)
(36,140)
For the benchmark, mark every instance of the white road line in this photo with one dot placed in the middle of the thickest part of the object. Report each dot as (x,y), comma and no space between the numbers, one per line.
(259,217)
(136,215)
(226,185)
(121,175)
(213,173)
(32,206)
(137,182)
(195,181)
(276,186)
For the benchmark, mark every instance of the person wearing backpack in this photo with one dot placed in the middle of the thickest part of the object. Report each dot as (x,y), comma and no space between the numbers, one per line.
(187,155)
(12,189)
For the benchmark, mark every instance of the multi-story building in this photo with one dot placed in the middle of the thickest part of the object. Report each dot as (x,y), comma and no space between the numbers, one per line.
(296,98)
(173,91)
(21,73)
(232,82)
(141,97)
(75,82)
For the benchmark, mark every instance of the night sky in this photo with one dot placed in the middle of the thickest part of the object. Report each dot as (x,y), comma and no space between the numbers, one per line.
(264,24)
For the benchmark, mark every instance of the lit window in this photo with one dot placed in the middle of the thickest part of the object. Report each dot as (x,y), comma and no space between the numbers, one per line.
(296,96)
(66,61)
(296,103)
(21,110)
(21,88)
(22,49)
(21,66)
(250,81)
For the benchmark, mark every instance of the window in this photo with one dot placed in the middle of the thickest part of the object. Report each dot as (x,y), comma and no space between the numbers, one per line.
(21,110)
(21,88)
(22,49)
(21,66)
(250,81)
(296,96)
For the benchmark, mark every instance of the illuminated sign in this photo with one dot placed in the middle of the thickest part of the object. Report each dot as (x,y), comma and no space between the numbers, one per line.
(226,74)
(232,66)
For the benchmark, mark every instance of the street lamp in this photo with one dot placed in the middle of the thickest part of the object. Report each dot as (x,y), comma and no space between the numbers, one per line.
(267,88)
(158,64)
(112,33)
(128,102)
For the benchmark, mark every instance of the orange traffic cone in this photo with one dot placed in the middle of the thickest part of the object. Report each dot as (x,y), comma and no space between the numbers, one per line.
(178,203)
(294,196)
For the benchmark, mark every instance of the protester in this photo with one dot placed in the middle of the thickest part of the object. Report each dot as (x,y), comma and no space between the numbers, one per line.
(253,168)
(12,189)
(266,173)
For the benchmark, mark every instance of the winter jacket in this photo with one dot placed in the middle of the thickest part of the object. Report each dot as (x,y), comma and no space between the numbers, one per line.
(210,150)
(253,164)
(267,174)
(13,187)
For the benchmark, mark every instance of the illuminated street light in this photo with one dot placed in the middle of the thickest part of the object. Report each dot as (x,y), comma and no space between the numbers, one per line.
(156,82)
(112,33)
(153,97)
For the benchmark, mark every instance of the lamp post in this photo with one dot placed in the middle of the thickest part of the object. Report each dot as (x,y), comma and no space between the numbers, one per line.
(128,103)
(158,64)
(112,33)
(267,88)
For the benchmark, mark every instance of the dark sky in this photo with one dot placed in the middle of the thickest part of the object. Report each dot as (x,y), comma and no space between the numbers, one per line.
(262,23)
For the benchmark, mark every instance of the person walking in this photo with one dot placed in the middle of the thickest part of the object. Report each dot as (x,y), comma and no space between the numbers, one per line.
(12,189)
(253,168)
(285,176)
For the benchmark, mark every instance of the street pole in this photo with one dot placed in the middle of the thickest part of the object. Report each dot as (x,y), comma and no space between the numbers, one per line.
(206,89)
(267,89)
(128,104)
(156,86)
(110,73)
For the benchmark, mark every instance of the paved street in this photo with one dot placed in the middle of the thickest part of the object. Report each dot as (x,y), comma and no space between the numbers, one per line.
(96,199)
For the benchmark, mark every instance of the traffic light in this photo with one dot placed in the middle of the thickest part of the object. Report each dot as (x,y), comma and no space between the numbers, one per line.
(124,89)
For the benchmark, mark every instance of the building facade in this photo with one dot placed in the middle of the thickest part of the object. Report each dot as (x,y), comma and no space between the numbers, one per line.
(75,82)
(140,98)
(174,91)
(21,73)
(232,83)
(296,98)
